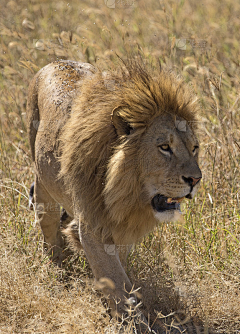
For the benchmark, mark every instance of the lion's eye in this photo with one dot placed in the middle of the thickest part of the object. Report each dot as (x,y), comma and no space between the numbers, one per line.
(195,149)
(165,148)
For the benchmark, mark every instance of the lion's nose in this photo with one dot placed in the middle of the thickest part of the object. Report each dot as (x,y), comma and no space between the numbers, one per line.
(192,181)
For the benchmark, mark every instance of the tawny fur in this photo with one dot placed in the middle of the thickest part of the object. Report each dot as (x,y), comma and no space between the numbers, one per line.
(101,168)
(98,152)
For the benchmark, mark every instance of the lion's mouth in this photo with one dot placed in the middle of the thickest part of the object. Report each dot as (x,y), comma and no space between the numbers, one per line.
(162,203)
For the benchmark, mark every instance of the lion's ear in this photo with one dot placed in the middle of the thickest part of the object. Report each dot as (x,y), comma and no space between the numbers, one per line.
(121,125)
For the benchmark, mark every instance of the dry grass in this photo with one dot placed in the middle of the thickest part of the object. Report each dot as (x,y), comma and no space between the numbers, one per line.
(191,269)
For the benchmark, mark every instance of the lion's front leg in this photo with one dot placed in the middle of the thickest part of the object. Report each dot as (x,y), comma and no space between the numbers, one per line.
(110,275)
(105,263)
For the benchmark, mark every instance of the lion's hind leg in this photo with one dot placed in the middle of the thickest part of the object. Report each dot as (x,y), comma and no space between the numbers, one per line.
(48,214)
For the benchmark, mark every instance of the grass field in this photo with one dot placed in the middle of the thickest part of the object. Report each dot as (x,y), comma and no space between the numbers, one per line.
(192,269)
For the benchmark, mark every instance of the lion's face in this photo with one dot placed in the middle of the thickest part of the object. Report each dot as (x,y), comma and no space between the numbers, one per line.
(168,165)
(152,170)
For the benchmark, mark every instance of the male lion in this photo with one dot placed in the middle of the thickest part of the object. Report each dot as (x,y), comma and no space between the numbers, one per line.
(117,151)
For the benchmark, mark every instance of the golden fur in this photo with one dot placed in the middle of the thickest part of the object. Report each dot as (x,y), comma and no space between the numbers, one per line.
(117,151)
(100,163)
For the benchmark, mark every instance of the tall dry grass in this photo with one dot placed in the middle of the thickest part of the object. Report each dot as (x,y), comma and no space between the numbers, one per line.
(192,269)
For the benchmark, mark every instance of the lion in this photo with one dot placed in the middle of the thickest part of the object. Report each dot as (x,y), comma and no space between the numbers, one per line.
(118,150)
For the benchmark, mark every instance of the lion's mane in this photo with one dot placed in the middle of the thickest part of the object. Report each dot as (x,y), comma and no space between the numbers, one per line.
(100,167)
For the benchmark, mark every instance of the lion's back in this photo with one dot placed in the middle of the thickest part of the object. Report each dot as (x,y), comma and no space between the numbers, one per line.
(50,97)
